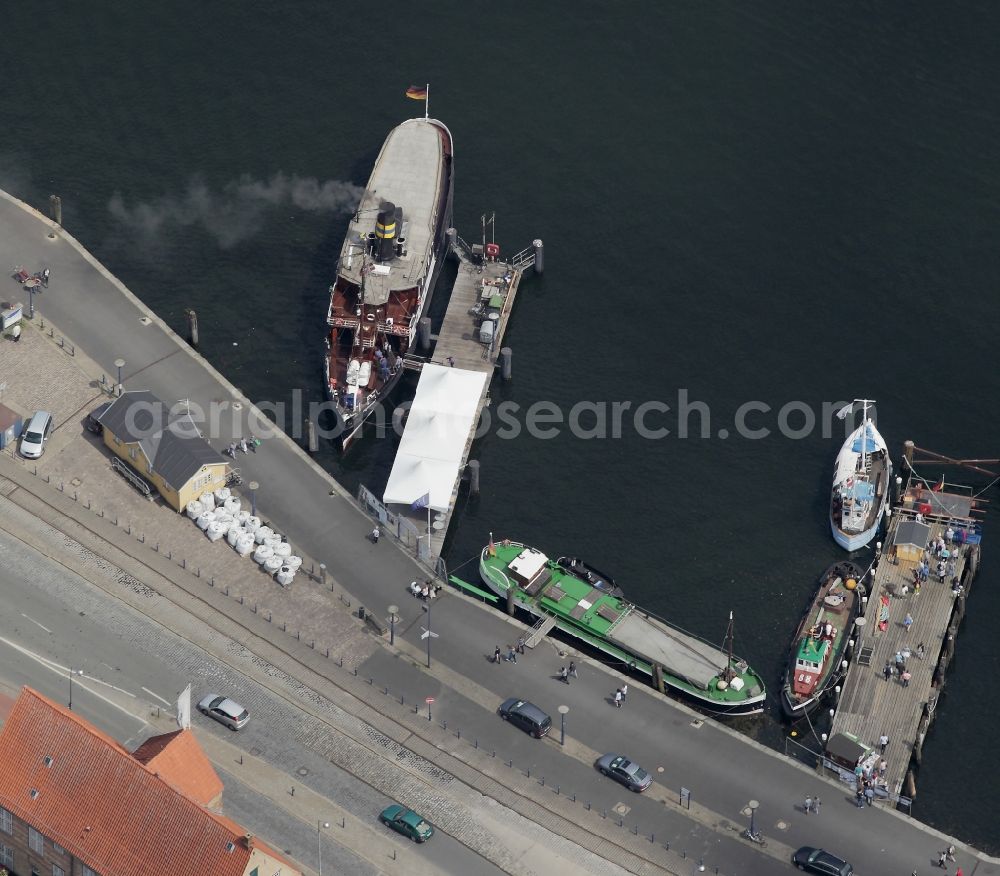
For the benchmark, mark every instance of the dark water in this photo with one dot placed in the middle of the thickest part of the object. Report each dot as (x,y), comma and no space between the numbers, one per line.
(776,203)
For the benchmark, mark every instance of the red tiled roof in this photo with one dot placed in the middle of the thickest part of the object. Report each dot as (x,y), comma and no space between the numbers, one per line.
(178,759)
(101,804)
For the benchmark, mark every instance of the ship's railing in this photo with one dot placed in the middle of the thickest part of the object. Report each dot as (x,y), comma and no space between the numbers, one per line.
(617,622)
(524,259)
(463,248)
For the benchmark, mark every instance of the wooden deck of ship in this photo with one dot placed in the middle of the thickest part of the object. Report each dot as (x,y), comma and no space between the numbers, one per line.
(870,705)
(457,343)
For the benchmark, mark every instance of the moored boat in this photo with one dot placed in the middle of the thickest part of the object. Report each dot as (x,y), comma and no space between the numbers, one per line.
(704,675)
(814,663)
(861,487)
(388,266)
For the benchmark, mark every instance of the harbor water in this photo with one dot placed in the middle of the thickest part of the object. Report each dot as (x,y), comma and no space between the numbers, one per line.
(750,211)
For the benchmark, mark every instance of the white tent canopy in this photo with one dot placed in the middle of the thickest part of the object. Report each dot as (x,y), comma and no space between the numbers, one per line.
(430,452)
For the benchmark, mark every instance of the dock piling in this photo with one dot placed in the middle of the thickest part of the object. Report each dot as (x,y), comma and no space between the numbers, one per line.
(505,362)
(473,467)
(539,248)
(192,324)
(424,332)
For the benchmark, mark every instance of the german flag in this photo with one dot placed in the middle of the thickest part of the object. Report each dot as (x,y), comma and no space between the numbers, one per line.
(417,92)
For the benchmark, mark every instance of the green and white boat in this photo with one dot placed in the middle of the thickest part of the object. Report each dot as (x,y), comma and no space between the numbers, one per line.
(559,596)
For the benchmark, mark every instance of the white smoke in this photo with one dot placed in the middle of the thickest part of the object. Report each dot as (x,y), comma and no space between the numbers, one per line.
(238,211)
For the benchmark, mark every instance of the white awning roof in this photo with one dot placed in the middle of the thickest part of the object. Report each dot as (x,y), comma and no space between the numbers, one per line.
(430,452)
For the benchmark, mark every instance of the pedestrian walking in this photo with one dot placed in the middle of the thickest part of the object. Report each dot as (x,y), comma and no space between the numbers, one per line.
(816,802)
(624,692)
(887,671)
(572,669)
(920,651)
(809,804)
(870,796)
(883,743)
(943,860)
(254,442)
(511,656)
(859,798)
(496,655)
(564,674)
(243,445)
(904,679)
(907,623)
(882,767)
(232,449)
(618,698)
(951,853)
(375,535)
(520,645)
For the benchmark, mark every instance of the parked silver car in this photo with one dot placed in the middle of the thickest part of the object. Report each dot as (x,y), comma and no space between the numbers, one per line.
(621,769)
(225,711)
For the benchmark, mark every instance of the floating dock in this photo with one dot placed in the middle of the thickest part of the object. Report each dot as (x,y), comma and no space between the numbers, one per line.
(873,702)
(431,465)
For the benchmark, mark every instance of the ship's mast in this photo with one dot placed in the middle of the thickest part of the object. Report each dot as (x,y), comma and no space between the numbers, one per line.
(730,673)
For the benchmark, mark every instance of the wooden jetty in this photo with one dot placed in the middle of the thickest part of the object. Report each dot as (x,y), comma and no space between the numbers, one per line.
(470,338)
(873,703)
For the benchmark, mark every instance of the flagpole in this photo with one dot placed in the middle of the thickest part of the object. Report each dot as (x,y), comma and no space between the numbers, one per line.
(427,101)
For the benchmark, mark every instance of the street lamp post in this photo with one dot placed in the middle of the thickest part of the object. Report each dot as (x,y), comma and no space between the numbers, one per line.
(72,672)
(320,826)
(562,724)
(119,364)
(753,805)
(253,486)
(31,302)
(393,611)
(429,634)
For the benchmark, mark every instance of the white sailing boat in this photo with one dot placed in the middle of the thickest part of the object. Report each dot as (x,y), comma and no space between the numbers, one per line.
(861,482)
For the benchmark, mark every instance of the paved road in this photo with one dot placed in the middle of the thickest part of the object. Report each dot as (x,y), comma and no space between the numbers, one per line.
(54,620)
(722,769)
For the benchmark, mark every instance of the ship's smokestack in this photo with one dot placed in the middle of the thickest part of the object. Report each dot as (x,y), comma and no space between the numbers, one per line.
(385,231)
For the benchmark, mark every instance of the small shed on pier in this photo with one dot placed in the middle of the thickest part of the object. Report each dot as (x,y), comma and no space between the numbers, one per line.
(910,540)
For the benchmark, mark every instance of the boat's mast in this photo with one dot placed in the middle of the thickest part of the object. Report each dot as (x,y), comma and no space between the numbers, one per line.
(729,673)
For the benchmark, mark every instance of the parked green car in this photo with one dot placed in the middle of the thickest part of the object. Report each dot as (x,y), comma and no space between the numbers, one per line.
(407,822)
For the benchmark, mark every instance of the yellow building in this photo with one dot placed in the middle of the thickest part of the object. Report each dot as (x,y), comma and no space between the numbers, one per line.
(167,451)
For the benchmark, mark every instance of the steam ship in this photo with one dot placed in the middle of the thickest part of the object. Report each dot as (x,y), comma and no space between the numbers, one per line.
(388,266)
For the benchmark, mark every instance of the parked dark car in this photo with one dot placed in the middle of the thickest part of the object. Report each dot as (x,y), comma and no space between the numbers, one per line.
(525,715)
(406,822)
(625,771)
(94,418)
(819,861)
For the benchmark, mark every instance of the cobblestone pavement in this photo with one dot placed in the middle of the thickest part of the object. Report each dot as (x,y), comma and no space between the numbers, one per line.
(39,375)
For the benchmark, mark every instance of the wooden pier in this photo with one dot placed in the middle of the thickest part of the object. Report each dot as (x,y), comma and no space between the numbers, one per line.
(485,291)
(874,703)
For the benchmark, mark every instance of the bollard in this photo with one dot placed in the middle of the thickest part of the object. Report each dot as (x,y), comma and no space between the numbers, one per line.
(424,332)
(452,235)
(192,324)
(322,573)
(506,354)
(539,248)
(473,469)
(311,437)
